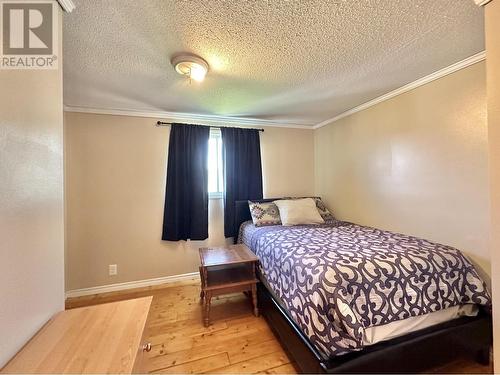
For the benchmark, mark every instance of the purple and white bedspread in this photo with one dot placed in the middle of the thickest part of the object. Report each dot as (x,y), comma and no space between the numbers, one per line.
(339,279)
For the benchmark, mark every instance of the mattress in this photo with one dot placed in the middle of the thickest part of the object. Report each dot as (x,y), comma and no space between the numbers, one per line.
(373,335)
(348,286)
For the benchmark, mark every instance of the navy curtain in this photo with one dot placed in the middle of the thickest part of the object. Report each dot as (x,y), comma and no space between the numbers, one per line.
(186,198)
(242,171)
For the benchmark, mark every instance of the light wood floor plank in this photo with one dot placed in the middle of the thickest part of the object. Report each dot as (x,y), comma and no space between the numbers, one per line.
(255,365)
(159,336)
(210,338)
(179,357)
(288,368)
(240,353)
(198,366)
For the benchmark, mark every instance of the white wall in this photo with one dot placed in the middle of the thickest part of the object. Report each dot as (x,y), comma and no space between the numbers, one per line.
(31,203)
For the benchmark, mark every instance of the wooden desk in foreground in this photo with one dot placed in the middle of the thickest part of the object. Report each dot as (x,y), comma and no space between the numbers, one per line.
(102,339)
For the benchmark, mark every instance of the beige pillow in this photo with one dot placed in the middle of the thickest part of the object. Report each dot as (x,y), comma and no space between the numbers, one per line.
(299,211)
(322,209)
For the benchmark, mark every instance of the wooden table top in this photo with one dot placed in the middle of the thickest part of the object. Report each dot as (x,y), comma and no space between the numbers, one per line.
(96,339)
(219,256)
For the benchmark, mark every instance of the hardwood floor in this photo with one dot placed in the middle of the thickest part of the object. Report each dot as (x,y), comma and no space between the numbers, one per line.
(235,342)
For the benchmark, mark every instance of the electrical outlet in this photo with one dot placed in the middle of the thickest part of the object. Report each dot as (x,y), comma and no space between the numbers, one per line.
(113,269)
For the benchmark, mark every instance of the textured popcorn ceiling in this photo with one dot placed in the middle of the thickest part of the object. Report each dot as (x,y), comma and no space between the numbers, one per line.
(294,61)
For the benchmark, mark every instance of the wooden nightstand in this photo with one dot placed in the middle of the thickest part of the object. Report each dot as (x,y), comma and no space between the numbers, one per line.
(226,270)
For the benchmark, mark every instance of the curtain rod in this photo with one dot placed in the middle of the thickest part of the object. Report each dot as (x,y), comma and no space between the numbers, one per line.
(161,123)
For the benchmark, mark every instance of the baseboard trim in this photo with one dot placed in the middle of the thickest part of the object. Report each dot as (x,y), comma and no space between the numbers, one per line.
(129,285)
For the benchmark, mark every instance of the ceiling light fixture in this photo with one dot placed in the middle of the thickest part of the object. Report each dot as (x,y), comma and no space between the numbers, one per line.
(191,66)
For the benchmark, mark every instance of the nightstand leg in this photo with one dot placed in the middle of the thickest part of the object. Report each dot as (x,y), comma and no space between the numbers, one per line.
(203,281)
(208,299)
(254,299)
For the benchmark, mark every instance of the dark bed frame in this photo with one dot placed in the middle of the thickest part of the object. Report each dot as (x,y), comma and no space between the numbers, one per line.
(465,337)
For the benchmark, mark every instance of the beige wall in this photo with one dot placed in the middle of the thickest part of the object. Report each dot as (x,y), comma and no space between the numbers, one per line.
(416,164)
(31,203)
(492,13)
(115,181)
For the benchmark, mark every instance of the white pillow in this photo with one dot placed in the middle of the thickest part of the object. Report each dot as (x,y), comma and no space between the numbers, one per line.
(299,211)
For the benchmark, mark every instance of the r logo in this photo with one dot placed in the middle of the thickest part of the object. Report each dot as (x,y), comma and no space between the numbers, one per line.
(27,28)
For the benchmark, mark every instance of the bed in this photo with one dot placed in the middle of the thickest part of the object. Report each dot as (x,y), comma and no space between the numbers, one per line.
(347,298)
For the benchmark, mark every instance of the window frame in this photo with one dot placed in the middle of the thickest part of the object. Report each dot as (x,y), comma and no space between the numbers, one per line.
(219,194)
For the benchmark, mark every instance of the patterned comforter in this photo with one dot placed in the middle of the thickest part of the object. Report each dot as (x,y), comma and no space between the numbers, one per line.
(336,280)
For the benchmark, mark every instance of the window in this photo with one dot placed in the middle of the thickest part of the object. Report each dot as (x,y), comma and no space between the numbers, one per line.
(215,174)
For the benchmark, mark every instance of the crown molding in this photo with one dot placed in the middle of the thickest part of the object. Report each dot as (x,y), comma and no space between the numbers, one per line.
(481,3)
(67,5)
(189,117)
(411,86)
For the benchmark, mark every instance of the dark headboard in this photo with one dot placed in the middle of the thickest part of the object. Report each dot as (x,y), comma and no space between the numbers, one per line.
(242,212)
